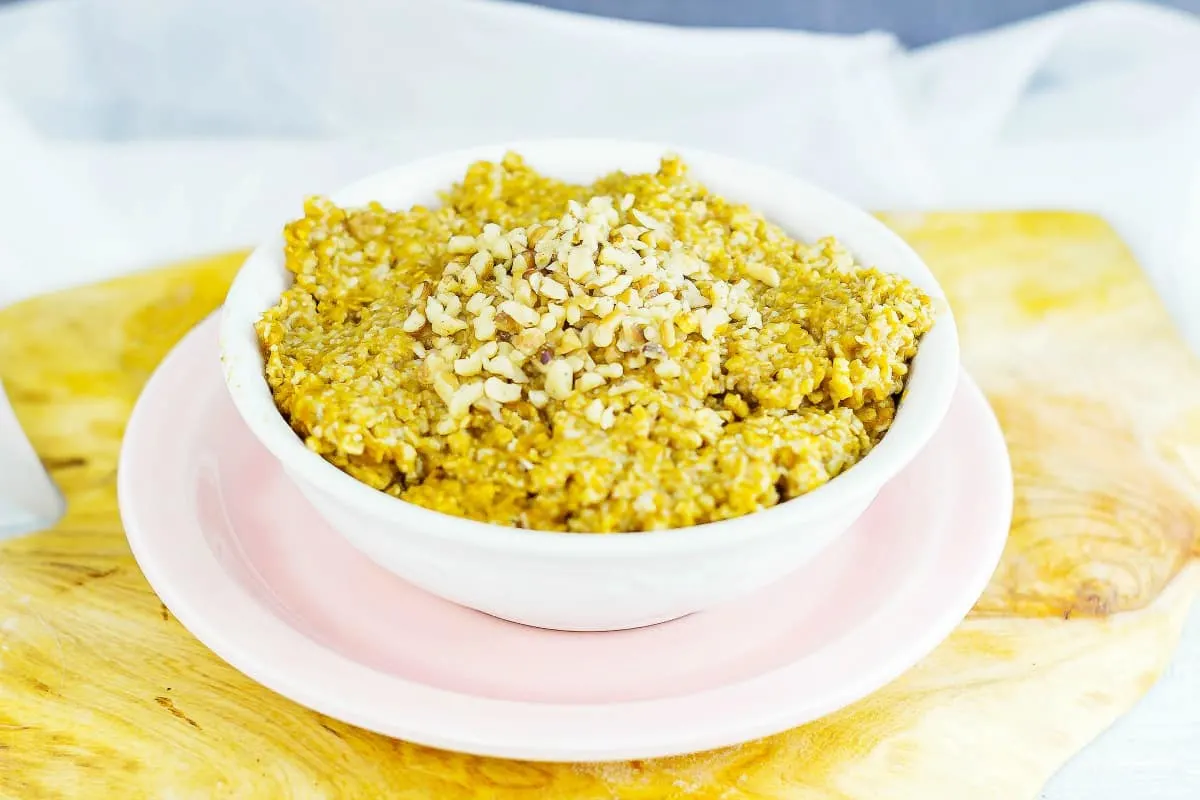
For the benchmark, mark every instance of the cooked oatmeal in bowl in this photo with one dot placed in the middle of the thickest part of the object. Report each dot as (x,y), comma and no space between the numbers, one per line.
(634,354)
(592,338)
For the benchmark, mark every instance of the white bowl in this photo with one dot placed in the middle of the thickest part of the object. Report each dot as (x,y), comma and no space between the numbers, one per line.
(588,582)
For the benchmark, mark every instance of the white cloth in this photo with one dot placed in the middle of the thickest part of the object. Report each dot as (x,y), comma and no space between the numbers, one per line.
(134,131)
(161,130)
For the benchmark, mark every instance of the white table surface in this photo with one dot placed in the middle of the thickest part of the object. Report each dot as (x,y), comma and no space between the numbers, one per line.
(1152,753)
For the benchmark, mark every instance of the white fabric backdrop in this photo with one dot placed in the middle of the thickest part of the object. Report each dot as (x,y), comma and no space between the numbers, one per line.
(166,128)
(132,131)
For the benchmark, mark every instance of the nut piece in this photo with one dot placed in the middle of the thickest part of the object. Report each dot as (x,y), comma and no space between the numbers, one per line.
(713,319)
(589,380)
(559,379)
(552,289)
(761,272)
(461,245)
(610,370)
(602,335)
(569,343)
(501,391)
(477,303)
(447,325)
(463,397)
(523,315)
(594,411)
(503,366)
(485,327)
(471,365)
(580,263)
(414,322)
(667,369)
(529,341)
(619,258)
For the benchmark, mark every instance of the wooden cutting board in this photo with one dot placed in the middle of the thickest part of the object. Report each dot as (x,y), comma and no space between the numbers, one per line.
(103,694)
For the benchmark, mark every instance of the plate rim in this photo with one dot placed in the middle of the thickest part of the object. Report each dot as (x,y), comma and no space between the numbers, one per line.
(236,626)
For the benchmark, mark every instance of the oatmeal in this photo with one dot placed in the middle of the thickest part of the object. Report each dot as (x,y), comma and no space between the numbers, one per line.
(631,355)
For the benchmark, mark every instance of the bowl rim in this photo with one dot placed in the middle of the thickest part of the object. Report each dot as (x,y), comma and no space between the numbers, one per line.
(925,399)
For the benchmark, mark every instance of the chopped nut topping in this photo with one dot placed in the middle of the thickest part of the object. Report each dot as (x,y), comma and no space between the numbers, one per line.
(620,295)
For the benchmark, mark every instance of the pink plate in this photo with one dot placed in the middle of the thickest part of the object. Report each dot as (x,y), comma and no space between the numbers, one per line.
(248,567)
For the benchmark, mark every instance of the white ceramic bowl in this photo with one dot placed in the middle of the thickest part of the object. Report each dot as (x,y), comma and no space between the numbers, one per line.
(589,581)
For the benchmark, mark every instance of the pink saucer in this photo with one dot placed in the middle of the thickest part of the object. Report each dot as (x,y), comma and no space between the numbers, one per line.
(249,568)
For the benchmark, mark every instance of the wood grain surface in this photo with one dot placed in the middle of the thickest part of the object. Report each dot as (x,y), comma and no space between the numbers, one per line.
(103,694)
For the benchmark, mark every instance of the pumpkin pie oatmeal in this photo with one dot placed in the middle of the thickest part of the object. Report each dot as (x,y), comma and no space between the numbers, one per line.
(631,355)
